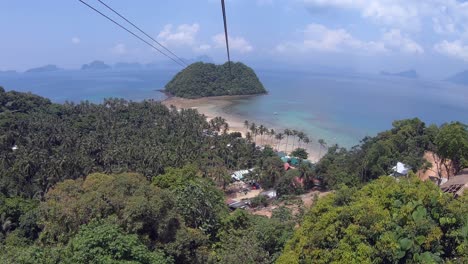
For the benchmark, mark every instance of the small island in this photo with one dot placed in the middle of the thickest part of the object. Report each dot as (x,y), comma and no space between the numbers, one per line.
(207,79)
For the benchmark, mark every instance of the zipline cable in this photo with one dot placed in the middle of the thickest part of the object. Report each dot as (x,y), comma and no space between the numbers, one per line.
(139,29)
(226,34)
(129,31)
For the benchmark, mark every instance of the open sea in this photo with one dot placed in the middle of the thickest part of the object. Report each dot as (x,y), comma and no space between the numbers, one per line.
(337,108)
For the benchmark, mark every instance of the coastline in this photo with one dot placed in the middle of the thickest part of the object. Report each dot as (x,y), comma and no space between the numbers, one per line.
(215,106)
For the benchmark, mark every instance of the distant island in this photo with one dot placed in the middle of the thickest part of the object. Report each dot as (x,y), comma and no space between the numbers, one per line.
(47,68)
(207,79)
(412,74)
(96,65)
(459,78)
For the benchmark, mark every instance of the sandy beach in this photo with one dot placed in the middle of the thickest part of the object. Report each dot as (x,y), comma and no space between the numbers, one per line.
(214,106)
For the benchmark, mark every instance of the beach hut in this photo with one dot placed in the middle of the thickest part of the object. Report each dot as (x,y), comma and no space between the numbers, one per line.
(281,154)
(295,161)
(285,159)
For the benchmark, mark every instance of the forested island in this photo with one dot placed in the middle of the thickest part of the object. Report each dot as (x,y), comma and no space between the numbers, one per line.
(137,182)
(207,79)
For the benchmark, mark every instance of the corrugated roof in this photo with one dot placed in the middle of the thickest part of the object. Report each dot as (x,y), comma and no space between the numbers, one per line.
(461,178)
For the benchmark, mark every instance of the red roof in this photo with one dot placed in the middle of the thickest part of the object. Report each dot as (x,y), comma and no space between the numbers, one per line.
(287,166)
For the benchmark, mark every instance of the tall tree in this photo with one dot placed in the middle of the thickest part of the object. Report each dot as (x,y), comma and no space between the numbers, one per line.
(452,147)
(246,125)
(279,137)
(288,133)
(322,144)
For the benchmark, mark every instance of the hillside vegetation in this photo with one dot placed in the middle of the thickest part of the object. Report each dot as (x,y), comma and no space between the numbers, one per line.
(137,182)
(387,221)
(207,79)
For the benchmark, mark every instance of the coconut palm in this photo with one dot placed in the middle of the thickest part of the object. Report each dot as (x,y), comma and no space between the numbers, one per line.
(294,134)
(301,136)
(279,137)
(261,131)
(323,144)
(288,133)
(249,137)
(306,140)
(253,130)
(246,125)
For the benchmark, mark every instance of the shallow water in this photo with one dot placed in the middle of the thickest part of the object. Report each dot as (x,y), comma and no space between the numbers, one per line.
(344,109)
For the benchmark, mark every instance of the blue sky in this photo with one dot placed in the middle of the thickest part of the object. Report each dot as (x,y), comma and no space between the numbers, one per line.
(430,36)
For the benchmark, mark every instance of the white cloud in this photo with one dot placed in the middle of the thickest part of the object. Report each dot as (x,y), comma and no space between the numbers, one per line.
(396,12)
(318,37)
(75,40)
(119,49)
(202,48)
(394,40)
(454,49)
(447,16)
(239,44)
(184,34)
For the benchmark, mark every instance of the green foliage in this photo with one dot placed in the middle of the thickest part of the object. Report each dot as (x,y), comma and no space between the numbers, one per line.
(207,79)
(246,238)
(174,178)
(288,184)
(137,206)
(201,204)
(387,221)
(107,243)
(58,142)
(452,144)
(300,153)
(259,200)
(269,172)
(18,214)
(406,142)
(98,242)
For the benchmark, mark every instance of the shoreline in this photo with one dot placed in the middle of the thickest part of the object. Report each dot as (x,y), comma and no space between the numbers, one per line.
(214,106)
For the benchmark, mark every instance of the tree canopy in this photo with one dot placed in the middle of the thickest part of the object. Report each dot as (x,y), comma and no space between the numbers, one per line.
(42,143)
(387,221)
(207,79)
(406,142)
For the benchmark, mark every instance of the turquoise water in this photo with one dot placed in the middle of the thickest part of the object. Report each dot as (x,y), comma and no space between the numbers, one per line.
(340,109)
(344,109)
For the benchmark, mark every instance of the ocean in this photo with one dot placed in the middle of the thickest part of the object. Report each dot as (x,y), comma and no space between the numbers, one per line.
(340,109)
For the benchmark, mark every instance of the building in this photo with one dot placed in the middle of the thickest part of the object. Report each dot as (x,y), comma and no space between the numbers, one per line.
(456,184)
(400,169)
(239,175)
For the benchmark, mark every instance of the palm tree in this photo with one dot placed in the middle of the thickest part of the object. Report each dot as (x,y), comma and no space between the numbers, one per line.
(248,136)
(253,130)
(288,133)
(323,144)
(301,136)
(261,130)
(272,132)
(306,140)
(294,134)
(279,137)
